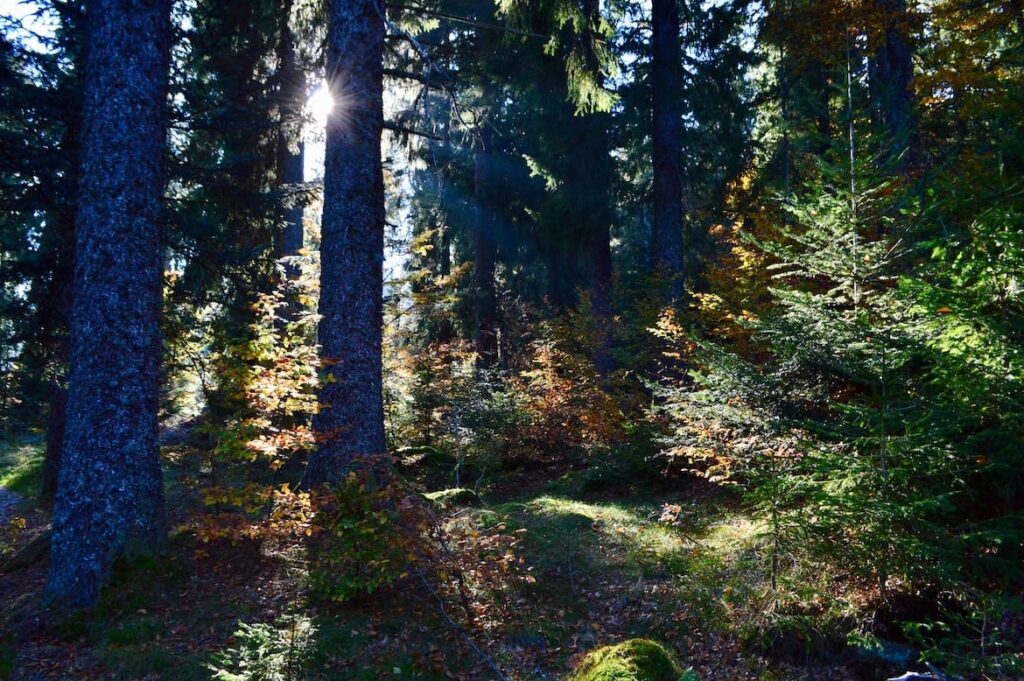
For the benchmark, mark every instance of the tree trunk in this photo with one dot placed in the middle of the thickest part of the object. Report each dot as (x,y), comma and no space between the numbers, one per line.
(55,313)
(54,310)
(110,491)
(350,425)
(595,156)
(817,81)
(893,68)
(55,321)
(600,299)
(666,84)
(56,421)
(291,150)
(484,255)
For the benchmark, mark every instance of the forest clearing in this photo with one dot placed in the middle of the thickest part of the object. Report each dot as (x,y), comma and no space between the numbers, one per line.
(528,340)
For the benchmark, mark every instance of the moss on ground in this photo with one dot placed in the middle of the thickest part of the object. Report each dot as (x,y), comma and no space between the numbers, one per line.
(21,465)
(457,496)
(634,660)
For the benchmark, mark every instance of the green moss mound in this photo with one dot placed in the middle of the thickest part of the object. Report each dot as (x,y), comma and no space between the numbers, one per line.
(458,496)
(634,660)
(423,457)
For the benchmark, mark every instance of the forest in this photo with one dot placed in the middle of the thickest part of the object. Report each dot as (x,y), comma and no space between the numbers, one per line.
(512,340)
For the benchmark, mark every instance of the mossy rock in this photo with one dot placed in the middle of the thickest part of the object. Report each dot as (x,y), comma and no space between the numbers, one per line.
(635,660)
(423,456)
(457,496)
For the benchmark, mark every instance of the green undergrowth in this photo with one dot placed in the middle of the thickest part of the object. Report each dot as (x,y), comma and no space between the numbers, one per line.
(147,625)
(633,660)
(693,566)
(625,537)
(602,571)
(21,465)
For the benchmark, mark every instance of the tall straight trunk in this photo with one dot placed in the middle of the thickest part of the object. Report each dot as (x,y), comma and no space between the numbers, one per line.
(110,489)
(817,81)
(55,318)
(562,277)
(291,150)
(445,328)
(484,255)
(893,82)
(350,424)
(56,312)
(666,85)
(600,299)
(595,156)
(439,222)
(56,420)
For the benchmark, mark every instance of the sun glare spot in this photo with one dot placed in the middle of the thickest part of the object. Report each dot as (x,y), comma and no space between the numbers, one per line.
(320,104)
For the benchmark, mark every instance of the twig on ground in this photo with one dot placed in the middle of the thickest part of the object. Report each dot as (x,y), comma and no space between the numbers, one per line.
(488,660)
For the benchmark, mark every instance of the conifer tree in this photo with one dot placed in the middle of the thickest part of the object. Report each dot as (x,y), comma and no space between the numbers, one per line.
(893,79)
(484,245)
(43,97)
(292,95)
(666,87)
(110,491)
(350,423)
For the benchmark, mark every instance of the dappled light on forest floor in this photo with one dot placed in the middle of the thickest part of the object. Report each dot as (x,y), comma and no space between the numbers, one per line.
(511,340)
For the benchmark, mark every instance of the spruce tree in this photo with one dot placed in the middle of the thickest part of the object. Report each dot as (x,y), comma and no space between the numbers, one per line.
(110,491)
(350,422)
(666,86)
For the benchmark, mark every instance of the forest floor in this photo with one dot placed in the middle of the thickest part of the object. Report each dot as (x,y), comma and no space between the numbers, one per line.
(589,569)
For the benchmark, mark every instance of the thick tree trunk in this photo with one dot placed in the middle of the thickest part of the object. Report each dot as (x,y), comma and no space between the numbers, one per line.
(110,492)
(562,277)
(350,425)
(484,255)
(291,150)
(893,68)
(666,84)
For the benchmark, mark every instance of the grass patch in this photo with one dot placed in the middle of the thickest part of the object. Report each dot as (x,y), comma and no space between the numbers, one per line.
(698,566)
(21,465)
(619,536)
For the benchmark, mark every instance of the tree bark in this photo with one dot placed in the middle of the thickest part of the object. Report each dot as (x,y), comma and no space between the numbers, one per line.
(893,68)
(350,424)
(595,156)
(484,255)
(110,489)
(54,307)
(291,149)
(56,420)
(817,81)
(666,85)
(55,321)
(600,299)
